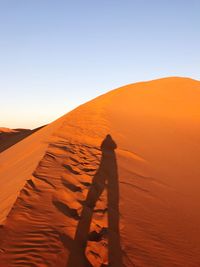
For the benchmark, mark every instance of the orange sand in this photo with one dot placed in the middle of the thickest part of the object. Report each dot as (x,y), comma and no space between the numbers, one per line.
(149,218)
(9,137)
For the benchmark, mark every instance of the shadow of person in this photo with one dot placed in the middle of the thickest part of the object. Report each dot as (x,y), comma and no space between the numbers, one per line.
(107,173)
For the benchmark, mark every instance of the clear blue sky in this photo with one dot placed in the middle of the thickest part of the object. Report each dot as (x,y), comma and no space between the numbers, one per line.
(56,54)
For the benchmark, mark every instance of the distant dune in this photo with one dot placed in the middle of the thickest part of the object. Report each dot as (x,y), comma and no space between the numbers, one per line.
(114,182)
(9,137)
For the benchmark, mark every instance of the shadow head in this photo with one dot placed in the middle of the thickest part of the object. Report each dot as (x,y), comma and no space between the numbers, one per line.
(108,144)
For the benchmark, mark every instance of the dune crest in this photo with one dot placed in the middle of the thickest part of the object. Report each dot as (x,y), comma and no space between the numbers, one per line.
(9,137)
(82,203)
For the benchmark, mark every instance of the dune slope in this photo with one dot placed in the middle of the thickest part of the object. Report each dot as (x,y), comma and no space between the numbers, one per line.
(9,137)
(132,201)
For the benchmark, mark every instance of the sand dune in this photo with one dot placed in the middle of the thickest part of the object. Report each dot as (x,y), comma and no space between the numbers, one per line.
(9,137)
(67,199)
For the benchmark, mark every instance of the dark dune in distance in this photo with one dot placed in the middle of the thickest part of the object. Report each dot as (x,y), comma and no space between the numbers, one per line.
(114,182)
(9,137)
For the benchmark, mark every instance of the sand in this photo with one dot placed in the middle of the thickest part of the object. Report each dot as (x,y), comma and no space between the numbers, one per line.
(9,137)
(68,201)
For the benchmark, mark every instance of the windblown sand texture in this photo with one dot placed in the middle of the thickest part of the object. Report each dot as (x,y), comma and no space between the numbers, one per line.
(68,200)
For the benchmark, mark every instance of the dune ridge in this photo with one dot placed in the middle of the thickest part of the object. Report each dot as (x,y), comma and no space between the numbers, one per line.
(9,137)
(59,219)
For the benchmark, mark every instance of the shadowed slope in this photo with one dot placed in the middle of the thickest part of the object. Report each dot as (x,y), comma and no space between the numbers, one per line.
(10,137)
(18,163)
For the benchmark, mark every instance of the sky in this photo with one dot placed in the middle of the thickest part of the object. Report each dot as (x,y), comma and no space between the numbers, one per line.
(57,54)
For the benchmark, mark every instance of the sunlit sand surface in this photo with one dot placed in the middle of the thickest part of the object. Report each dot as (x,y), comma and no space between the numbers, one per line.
(67,201)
